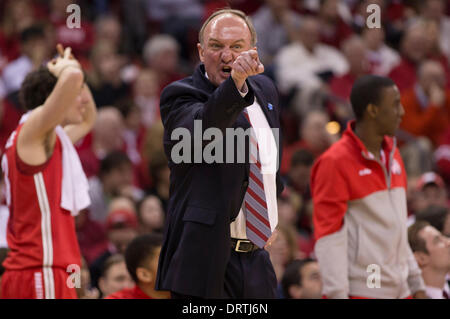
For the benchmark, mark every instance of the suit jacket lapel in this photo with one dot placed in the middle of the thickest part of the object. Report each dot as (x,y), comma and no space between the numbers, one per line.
(264,106)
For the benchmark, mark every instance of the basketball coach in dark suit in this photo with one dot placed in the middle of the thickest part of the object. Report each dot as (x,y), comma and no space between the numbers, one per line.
(222,215)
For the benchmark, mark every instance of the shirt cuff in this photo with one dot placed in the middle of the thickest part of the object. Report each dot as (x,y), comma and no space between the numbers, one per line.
(244,91)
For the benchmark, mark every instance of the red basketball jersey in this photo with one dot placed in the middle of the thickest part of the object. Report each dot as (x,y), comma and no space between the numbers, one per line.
(40,233)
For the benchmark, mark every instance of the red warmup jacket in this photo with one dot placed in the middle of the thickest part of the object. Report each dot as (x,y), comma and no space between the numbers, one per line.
(360,221)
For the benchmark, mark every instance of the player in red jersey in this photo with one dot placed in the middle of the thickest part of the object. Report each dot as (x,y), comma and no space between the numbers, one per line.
(45,184)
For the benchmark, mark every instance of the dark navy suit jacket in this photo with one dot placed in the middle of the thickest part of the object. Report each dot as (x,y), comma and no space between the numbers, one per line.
(205,198)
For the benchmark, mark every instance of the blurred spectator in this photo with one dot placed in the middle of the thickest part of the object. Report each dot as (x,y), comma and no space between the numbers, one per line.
(381,57)
(413,51)
(314,137)
(150,215)
(432,252)
(135,25)
(430,190)
(181,19)
(283,249)
(91,236)
(122,203)
(17,16)
(300,171)
(114,276)
(105,78)
(34,51)
(161,54)
(427,104)
(79,39)
(356,53)
(436,216)
(3,254)
(85,291)
(301,280)
(146,96)
(114,179)
(141,257)
(334,30)
(274,24)
(289,205)
(107,136)
(303,63)
(108,28)
(160,174)
(121,226)
(435,10)
(134,132)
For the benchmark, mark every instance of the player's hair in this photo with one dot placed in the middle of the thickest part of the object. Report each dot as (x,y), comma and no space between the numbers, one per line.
(416,242)
(36,88)
(238,13)
(139,250)
(292,275)
(367,90)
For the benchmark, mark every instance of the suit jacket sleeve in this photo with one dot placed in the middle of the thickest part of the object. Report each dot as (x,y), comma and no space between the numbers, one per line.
(182,103)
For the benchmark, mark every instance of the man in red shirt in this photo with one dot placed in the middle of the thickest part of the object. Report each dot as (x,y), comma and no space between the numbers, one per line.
(141,257)
(45,183)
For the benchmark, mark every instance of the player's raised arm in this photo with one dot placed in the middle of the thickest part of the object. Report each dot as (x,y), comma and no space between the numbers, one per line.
(53,112)
(78,131)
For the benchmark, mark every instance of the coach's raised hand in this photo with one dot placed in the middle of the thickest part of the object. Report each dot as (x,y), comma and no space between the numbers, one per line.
(63,61)
(245,65)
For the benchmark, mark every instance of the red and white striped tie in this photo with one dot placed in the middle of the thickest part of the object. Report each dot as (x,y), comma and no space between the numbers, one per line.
(256,215)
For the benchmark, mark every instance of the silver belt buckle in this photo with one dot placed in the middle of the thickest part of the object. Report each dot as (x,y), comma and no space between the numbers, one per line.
(238,244)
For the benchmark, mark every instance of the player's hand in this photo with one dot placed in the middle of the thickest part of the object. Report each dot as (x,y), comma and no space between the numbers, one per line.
(245,65)
(64,60)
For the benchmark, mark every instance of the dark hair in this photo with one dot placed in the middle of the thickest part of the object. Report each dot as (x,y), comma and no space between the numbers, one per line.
(139,250)
(113,160)
(111,261)
(302,157)
(367,90)
(416,242)
(292,275)
(435,215)
(32,32)
(36,88)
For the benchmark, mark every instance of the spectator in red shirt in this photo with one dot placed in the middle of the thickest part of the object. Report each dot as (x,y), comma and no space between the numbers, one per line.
(333,28)
(413,49)
(161,53)
(427,104)
(106,138)
(115,276)
(79,39)
(141,257)
(314,138)
(356,53)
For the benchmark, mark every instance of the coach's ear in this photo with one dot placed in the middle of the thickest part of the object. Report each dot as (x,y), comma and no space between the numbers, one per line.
(200,52)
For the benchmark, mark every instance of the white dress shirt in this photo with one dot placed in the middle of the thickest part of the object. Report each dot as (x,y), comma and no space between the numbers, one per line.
(437,293)
(268,153)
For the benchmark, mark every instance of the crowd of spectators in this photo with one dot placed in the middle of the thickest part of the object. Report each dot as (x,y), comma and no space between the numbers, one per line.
(312,49)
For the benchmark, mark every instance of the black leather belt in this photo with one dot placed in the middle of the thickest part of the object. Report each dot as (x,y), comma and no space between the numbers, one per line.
(243,245)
